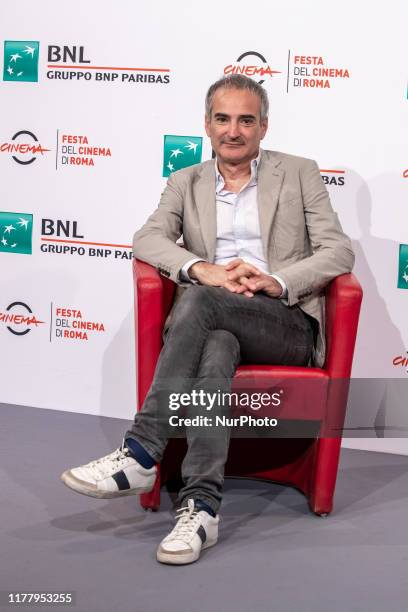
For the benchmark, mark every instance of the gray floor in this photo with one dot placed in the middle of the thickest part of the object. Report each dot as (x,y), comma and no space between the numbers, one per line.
(272,554)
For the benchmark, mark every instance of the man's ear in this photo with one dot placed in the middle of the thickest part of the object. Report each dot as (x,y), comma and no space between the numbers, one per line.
(264,127)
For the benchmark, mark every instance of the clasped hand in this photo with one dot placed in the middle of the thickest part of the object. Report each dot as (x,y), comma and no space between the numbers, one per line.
(237,276)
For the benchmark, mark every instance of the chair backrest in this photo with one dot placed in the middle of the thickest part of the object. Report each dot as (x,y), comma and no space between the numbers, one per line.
(343,302)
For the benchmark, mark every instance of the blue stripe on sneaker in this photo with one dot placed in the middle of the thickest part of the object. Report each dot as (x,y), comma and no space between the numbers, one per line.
(201,533)
(121,480)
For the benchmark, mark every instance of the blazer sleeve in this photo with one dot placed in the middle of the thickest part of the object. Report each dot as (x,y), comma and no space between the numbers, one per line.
(155,242)
(332,253)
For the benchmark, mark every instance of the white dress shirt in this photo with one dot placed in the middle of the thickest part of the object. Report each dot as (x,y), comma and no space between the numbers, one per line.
(238,231)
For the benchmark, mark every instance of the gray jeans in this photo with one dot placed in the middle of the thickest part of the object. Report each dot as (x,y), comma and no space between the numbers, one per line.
(211,333)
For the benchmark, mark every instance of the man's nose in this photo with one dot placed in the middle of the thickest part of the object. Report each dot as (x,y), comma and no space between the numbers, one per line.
(233,129)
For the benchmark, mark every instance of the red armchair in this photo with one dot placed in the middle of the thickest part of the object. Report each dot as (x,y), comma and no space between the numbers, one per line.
(307,463)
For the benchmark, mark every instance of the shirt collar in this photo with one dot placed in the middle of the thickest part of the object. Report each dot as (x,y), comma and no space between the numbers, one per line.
(219,179)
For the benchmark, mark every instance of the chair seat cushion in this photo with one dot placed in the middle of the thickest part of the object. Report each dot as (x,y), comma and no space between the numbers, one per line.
(282,391)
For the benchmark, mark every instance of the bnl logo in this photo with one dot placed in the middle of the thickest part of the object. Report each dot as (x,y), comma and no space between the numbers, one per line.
(181,152)
(403,267)
(21,60)
(16,232)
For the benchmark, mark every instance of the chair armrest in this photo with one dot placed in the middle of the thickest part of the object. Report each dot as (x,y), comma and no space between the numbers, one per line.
(343,301)
(153,298)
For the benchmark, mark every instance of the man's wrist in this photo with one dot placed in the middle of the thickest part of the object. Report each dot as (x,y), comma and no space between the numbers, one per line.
(184,274)
(282,284)
(195,268)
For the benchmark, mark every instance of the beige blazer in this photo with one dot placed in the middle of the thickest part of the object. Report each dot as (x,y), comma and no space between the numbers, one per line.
(302,237)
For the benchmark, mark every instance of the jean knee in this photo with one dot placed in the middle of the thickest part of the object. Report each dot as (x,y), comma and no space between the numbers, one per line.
(221,350)
(223,341)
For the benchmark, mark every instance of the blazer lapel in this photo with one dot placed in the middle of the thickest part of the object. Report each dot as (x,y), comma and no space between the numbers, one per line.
(204,195)
(270,178)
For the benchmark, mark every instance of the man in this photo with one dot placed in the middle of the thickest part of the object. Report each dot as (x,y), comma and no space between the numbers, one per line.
(261,241)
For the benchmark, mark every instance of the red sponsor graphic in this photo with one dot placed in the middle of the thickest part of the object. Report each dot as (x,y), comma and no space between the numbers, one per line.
(20,147)
(250,70)
(312,71)
(405,173)
(77,151)
(19,318)
(71,325)
(24,147)
(401,361)
(251,64)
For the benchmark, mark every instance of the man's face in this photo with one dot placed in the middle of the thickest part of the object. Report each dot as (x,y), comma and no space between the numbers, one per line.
(234,127)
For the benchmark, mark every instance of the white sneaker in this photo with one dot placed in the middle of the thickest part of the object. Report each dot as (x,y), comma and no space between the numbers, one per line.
(195,530)
(115,475)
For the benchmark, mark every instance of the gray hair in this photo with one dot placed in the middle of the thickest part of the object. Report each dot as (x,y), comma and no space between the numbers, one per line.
(238,81)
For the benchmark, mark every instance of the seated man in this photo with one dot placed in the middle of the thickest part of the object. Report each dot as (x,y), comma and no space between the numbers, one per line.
(261,242)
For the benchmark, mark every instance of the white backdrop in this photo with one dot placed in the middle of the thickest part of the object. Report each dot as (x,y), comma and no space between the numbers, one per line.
(354,126)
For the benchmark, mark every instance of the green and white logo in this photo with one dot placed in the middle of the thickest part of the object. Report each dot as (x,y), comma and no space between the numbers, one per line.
(21,60)
(15,232)
(181,152)
(403,267)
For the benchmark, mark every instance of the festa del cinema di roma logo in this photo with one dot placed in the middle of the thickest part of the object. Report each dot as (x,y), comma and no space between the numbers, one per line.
(71,325)
(401,361)
(76,150)
(72,150)
(251,64)
(311,71)
(19,319)
(24,147)
(66,323)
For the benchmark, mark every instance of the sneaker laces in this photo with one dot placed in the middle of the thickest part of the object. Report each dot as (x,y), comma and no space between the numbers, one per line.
(108,465)
(187,522)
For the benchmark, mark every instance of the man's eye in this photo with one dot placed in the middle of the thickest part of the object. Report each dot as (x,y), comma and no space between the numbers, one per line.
(220,119)
(248,121)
